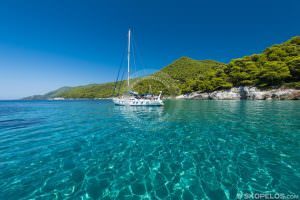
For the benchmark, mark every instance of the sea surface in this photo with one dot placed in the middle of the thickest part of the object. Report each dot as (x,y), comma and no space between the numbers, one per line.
(184,150)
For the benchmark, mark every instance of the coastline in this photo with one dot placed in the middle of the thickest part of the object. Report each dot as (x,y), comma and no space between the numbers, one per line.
(234,93)
(245,93)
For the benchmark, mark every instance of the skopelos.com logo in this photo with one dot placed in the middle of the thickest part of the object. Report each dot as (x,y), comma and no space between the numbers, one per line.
(269,196)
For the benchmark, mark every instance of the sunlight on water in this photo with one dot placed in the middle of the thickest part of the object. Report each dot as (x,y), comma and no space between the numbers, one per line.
(184,150)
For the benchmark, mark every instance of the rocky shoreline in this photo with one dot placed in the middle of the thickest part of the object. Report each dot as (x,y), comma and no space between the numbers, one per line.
(247,93)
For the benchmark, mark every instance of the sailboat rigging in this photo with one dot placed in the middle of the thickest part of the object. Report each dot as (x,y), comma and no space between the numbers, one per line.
(134,99)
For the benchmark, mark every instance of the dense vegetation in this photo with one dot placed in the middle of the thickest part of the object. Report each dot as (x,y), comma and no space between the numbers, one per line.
(186,75)
(90,91)
(276,66)
(192,75)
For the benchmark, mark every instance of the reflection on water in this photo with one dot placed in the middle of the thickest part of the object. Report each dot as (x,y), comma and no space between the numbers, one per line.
(151,117)
(142,116)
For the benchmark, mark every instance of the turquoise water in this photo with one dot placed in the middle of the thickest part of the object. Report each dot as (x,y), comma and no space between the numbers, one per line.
(184,150)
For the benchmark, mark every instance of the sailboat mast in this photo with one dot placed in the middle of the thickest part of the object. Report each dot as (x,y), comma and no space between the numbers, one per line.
(128,58)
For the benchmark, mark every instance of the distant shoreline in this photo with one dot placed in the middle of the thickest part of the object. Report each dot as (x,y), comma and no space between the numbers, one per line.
(235,93)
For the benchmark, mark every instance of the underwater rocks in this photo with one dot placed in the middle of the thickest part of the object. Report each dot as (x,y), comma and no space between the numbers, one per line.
(250,93)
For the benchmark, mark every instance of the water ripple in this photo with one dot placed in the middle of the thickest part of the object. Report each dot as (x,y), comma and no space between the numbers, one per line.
(185,150)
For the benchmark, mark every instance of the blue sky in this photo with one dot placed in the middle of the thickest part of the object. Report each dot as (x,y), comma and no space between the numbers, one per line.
(48,44)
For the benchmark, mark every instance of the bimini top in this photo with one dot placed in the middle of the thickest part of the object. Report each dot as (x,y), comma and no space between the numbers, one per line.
(133,93)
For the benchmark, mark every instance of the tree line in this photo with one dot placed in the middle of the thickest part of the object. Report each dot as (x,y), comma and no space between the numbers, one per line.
(276,66)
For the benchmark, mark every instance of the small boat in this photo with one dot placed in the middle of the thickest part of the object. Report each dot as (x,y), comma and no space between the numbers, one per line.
(133,98)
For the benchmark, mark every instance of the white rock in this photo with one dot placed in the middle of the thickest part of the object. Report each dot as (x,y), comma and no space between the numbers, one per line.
(251,93)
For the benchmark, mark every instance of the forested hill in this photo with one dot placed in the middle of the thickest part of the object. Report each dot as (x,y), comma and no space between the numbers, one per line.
(276,66)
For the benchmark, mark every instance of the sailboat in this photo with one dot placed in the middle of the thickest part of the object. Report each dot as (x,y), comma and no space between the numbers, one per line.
(133,98)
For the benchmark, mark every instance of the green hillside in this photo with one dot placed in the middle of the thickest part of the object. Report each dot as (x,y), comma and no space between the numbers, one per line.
(56,93)
(193,75)
(172,80)
(90,91)
(276,66)
(184,75)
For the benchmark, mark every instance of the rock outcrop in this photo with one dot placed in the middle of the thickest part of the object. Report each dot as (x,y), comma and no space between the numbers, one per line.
(250,93)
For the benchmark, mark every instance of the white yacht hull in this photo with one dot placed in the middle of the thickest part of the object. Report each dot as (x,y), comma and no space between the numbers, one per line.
(137,102)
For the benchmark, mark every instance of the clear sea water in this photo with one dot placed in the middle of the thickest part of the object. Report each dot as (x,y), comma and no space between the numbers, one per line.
(184,150)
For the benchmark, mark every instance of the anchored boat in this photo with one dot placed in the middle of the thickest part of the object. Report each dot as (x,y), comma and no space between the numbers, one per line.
(133,98)
(136,100)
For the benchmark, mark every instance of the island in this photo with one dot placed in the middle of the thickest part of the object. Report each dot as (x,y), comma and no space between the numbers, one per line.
(272,74)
